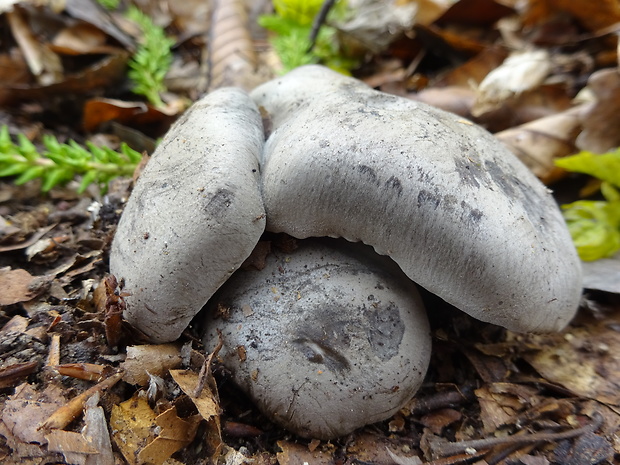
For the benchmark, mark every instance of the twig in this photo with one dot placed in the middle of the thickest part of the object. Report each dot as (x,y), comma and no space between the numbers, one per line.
(70,411)
(319,19)
(464,446)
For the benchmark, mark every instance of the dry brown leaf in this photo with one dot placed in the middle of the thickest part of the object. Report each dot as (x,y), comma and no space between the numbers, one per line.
(592,15)
(44,64)
(520,72)
(377,449)
(437,420)
(206,403)
(82,38)
(109,302)
(583,359)
(232,57)
(20,286)
(459,100)
(473,71)
(539,142)
(298,454)
(132,425)
(11,375)
(145,437)
(174,434)
(17,324)
(154,359)
(102,74)
(27,408)
(74,446)
(602,119)
(98,111)
(476,12)
(91,12)
(500,403)
(376,24)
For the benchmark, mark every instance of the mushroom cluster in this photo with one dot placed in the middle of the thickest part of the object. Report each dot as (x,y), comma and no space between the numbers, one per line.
(448,203)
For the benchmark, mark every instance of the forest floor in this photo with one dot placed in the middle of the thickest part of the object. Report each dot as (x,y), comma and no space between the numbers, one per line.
(78,386)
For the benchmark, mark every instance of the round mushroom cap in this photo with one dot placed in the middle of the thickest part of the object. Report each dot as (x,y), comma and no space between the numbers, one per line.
(325,339)
(194,215)
(458,212)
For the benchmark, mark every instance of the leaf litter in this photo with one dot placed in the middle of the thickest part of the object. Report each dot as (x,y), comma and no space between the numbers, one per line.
(76,384)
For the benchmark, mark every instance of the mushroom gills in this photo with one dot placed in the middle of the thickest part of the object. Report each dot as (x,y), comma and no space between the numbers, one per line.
(325,339)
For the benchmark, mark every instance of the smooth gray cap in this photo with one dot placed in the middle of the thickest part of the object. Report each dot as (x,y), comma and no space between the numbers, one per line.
(324,339)
(440,195)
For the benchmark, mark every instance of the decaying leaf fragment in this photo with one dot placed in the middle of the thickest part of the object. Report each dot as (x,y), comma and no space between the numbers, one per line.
(601,119)
(92,445)
(520,72)
(538,143)
(145,437)
(589,350)
(232,56)
(150,359)
(208,405)
(110,302)
(20,286)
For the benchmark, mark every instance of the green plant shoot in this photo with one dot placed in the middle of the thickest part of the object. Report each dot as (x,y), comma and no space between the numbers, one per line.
(109,4)
(292,25)
(152,60)
(595,224)
(60,163)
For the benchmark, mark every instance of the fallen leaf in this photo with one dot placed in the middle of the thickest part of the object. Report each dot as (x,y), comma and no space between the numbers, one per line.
(298,454)
(436,421)
(132,424)
(27,408)
(520,72)
(20,286)
(232,56)
(589,350)
(592,15)
(154,359)
(601,119)
(539,142)
(174,434)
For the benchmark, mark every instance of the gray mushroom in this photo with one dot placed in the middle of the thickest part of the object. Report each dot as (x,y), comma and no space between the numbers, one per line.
(194,216)
(450,204)
(458,213)
(324,339)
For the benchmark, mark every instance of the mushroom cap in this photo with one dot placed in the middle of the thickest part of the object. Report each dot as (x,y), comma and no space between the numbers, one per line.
(448,202)
(325,339)
(194,215)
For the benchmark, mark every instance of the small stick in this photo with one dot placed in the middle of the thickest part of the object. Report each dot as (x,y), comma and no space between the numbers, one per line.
(70,411)
(463,446)
(319,19)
